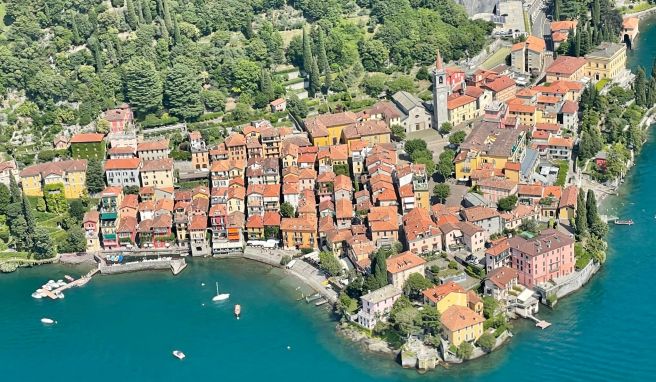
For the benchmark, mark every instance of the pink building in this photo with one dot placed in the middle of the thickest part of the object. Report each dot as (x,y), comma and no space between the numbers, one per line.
(119,119)
(543,258)
(496,188)
(376,305)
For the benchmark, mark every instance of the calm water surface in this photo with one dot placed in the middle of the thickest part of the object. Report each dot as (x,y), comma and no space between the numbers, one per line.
(125,327)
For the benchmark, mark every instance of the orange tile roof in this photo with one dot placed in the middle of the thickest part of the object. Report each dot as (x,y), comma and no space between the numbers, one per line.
(122,164)
(198,222)
(568,198)
(438,292)
(299,224)
(165,164)
(500,84)
(630,23)
(87,138)
(459,101)
(566,65)
(271,218)
(564,25)
(459,317)
(502,276)
(403,262)
(255,221)
(153,145)
(235,139)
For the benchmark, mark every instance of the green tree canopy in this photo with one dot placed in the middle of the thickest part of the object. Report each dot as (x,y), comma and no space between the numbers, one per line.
(182,92)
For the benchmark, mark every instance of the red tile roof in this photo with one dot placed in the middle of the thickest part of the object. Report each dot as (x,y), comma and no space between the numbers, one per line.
(87,138)
(122,164)
(403,262)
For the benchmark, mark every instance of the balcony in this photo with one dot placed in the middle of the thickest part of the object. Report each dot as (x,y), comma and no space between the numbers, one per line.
(108,215)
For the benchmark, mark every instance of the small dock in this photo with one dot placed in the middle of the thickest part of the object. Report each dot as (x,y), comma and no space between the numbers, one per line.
(314,297)
(74,283)
(542,324)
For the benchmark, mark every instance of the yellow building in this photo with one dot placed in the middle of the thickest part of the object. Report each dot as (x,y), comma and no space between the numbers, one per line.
(422,199)
(157,173)
(326,129)
(70,173)
(461,324)
(371,132)
(299,232)
(445,296)
(606,61)
(461,108)
(489,145)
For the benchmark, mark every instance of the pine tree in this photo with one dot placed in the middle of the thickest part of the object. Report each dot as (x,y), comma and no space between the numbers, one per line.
(143,85)
(182,92)
(596,13)
(76,31)
(591,208)
(131,15)
(147,13)
(322,59)
(307,53)
(581,220)
(315,82)
(266,85)
(640,87)
(14,190)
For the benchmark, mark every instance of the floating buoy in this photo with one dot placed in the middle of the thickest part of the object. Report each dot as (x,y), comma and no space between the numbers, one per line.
(289,347)
(202,284)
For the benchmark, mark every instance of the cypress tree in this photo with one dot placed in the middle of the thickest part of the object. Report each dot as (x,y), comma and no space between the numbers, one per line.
(651,92)
(14,190)
(307,53)
(328,81)
(315,83)
(76,32)
(556,11)
(322,59)
(653,68)
(93,43)
(147,13)
(166,15)
(591,208)
(577,45)
(581,220)
(139,9)
(29,219)
(640,87)
(176,31)
(131,15)
(596,13)
(266,85)
(379,268)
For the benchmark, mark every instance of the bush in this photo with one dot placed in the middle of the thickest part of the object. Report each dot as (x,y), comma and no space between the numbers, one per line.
(465,350)
(329,263)
(487,342)
(152,120)
(285,260)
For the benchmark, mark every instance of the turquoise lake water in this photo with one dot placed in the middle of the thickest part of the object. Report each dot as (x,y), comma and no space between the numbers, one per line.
(125,327)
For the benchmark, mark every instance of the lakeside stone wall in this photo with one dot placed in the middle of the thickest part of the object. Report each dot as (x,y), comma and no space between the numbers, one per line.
(154,265)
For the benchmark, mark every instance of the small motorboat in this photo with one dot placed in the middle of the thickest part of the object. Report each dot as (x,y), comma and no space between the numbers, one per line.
(220,296)
(624,222)
(37,295)
(178,354)
(47,321)
(237,310)
(60,295)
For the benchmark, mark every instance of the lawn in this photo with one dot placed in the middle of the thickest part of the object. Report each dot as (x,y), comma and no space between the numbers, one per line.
(600,85)
(498,58)
(637,8)
(9,255)
(2,15)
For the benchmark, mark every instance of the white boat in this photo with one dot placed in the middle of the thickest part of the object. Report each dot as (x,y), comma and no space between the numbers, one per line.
(220,297)
(37,295)
(47,321)
(60,295)
(178,354)
(237,310)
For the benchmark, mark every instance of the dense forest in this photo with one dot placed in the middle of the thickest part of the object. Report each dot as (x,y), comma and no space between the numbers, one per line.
(178,59)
